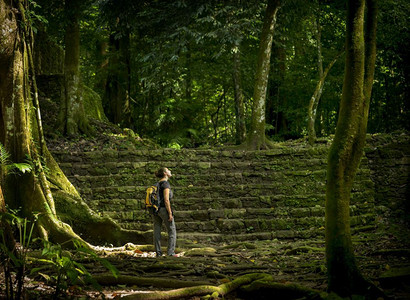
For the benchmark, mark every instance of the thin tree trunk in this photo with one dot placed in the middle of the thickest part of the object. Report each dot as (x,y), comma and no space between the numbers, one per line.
(314,101)
(101,53)
(282,122)
(256,138)
(117,87)
(126,78)
(240,125)
(346,150)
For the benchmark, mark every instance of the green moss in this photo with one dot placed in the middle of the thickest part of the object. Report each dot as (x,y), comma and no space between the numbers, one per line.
(92,104)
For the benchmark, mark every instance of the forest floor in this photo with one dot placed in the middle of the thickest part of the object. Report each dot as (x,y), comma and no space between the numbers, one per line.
(382,256)
(382,253)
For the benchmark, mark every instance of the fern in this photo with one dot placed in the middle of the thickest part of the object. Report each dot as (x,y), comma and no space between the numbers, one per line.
(12,167)
(4,156)
(22,167)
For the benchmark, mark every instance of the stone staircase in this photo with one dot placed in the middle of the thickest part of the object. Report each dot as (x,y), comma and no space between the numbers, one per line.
(219,195)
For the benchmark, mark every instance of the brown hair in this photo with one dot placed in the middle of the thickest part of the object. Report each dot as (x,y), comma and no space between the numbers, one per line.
(161,172)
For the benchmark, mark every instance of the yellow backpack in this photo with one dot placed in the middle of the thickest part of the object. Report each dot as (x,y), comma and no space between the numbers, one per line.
(152,200)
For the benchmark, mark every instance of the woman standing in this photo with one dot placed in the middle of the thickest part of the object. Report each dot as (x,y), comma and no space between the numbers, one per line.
(165,214)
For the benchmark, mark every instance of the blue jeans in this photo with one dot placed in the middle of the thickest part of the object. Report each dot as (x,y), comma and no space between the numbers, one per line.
(162,217)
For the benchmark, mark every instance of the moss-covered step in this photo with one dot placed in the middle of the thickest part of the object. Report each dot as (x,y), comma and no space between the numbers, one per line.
(220,191)
(190,154)
(233,178)
(360,201)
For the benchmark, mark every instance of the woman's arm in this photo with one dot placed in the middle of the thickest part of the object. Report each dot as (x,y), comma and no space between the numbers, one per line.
(168,204)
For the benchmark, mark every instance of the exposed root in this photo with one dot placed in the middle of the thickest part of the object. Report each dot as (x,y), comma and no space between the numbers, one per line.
(249,283)
(110,280)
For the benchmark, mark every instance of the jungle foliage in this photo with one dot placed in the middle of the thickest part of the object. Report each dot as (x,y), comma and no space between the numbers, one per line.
(165,68)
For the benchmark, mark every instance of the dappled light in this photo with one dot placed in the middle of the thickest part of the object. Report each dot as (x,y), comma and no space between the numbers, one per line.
(180,149)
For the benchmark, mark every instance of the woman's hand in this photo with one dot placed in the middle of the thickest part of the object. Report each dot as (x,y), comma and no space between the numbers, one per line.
(170,218)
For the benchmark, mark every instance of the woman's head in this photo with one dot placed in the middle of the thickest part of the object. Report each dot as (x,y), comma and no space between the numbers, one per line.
(163,172)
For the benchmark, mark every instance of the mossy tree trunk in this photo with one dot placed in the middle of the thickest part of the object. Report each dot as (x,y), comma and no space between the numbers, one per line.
(347,147)
(240,125)
(21,136)
(256,138)
(72,119)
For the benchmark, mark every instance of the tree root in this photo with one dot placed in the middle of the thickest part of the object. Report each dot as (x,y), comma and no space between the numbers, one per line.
(249,283)
(266,286)
(108,280)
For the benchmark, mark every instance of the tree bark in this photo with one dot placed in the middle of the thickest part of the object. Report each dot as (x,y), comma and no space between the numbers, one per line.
(346,150)
(256,137)
(72,119)
(240,125)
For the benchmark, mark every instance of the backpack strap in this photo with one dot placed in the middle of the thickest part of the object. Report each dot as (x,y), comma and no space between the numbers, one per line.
(160,193)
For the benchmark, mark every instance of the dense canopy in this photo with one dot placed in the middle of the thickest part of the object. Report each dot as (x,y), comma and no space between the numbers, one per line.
(165,68)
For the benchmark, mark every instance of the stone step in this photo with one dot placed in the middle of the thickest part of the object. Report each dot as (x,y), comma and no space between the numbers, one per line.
(250,212)
(245,225)
(218,191)
(88,181)
(190,155)
(189,168)
(143,219)
(281,235)
(134,206)
(193,168)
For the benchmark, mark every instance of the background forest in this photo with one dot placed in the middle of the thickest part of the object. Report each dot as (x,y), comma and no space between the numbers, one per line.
(182,72)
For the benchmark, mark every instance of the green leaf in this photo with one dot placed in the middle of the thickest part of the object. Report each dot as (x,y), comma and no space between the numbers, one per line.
(72,274)
(45,276)
(4,156)
(114,271)
(36,270)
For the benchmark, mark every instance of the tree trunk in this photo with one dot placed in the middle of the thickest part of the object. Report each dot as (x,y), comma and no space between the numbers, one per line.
(240,125)
(346,150)
(256,138)
(72,119)
(117,87)
(282,121)
(102,64)
(21,138)
(314,101)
